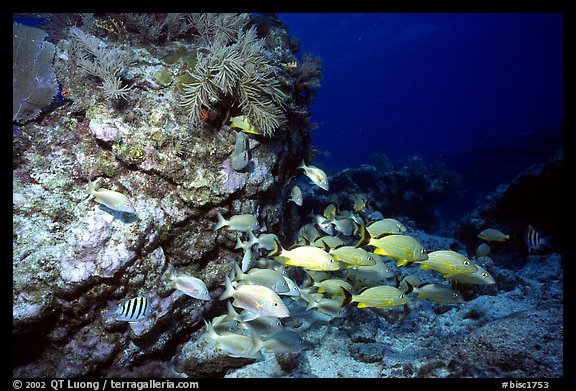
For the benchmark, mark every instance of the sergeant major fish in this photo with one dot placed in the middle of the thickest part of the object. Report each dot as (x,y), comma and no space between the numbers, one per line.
(132,310)
(534,241)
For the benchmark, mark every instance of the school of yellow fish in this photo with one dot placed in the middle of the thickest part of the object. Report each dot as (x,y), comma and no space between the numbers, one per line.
(347,256)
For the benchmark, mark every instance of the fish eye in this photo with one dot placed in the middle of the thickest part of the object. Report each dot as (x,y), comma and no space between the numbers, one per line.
(401,296)
(466,263)
(370,258)
(454,295)
(484,274)
(275,304)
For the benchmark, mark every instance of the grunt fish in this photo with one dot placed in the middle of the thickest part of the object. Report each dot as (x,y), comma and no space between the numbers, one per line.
(382,296)
(258,299)
(112,199)
(242,223)
(493,235)
(316,175)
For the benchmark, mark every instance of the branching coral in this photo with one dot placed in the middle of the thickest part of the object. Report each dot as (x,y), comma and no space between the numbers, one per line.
(94,57)
(218,26)
(239,71)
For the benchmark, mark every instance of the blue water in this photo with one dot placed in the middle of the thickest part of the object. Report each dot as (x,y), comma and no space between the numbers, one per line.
(432,85)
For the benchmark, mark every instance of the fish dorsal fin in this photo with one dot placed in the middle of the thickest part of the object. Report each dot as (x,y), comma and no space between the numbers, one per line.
(277,249)
(347,297)
(363,289)
(364,237)
(309,282)
(357,227)
(410,287)
(325,246)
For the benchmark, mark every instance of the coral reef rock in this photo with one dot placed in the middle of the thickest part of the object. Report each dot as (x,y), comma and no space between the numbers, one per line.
(71,255)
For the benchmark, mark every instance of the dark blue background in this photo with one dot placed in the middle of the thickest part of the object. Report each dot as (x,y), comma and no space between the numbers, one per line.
(430,84)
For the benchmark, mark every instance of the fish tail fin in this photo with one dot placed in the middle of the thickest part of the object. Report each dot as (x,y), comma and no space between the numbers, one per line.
(90,188)
(252,239)
(210,332)
(410,287)
(112,309)
(228,290)
(239,274)
(308,282)
(311,304)
(277,250)
(347,297)
(221,222)
(239,243)
(247,260)
(402,262)
(258,343)
(170,275)
(364,237)
(357,228)
(303,165)
(232,314)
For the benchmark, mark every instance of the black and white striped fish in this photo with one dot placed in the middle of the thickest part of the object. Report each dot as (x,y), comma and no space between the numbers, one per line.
(132,310)
(534,241)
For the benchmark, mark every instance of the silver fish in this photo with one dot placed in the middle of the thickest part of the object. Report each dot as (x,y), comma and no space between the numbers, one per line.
(190,285)
(257,299)
(316,175)
(243,223)
(296,195)
(112,199)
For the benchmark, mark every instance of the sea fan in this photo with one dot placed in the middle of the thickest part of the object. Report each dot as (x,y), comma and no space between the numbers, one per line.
(33,79)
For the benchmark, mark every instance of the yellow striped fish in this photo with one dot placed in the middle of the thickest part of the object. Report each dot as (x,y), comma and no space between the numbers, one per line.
(402,248)
(384,227)
(383,296)
(480,277)
(353,256)
(493,235)
(448,262)
(307,257)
